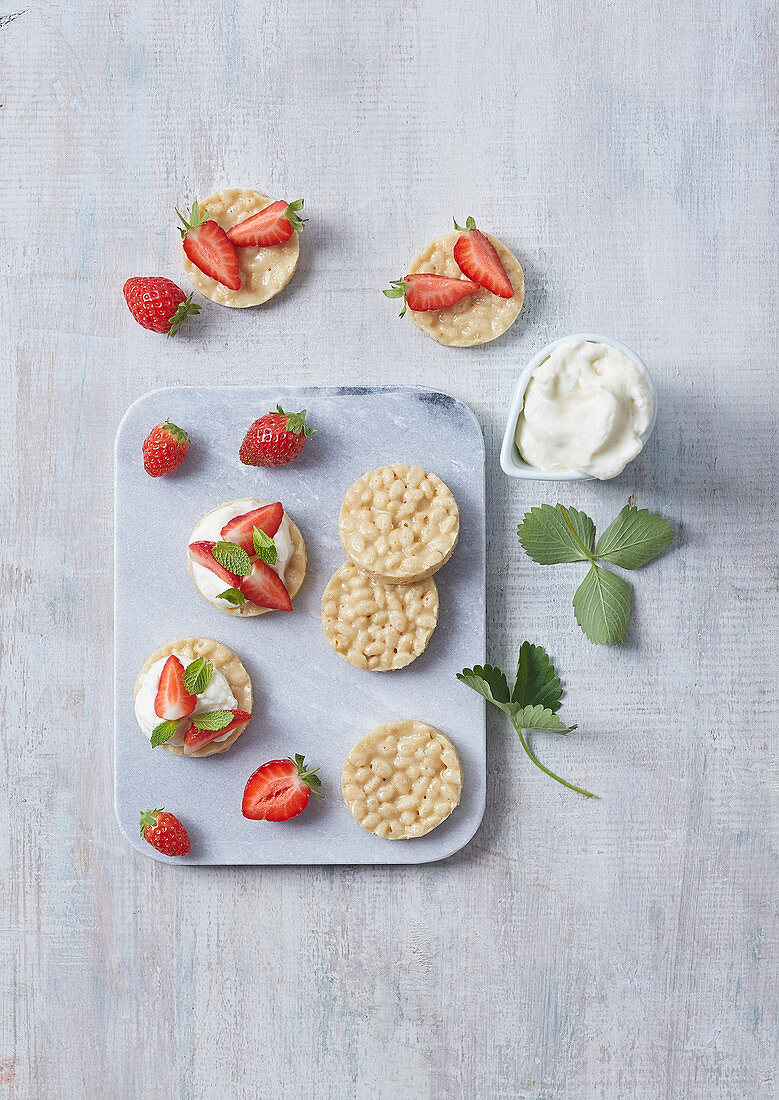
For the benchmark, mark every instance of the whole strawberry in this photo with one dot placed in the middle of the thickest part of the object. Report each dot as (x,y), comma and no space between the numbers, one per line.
(164,449)
(158,304)
(165,833)
(275,439)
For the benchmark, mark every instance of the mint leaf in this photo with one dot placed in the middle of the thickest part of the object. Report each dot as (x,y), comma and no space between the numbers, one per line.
(536,682)
(197,676)
(264,546)
(231,557)
(213,720)
(489,682)
(553,535)
(163,732)
(233,595)
(601,605)
(539,718)
(634,538)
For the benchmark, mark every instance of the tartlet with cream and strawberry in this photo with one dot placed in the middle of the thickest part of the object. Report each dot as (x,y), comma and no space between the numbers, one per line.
(247,557)
(463,289)
(240,248)
(193,697)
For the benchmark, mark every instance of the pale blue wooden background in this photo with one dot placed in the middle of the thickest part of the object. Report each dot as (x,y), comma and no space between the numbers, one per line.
(624,947)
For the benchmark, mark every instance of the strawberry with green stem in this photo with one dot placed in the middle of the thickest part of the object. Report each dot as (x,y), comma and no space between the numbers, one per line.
(272,225)
(275,439)
(208,247)
(478,259)
(422,292)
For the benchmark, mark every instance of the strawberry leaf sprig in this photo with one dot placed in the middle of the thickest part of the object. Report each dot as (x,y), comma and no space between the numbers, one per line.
(532,702)
(602,602)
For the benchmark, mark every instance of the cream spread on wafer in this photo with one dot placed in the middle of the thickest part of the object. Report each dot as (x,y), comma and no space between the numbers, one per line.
(217,696)
(210,529)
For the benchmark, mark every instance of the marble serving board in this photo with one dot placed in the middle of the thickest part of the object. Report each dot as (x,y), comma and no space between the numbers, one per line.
(306,698)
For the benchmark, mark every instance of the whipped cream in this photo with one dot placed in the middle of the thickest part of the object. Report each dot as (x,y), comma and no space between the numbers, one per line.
(217,696)
(587,408)
(210,529)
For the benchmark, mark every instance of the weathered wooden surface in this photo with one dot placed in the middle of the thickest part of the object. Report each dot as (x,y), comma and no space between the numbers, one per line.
(617,948)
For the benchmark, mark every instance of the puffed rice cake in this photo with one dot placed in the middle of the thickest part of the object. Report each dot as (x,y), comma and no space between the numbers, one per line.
(263,271)
(226,662)
(481,316)
(378,626)
(402,780)
(399,523)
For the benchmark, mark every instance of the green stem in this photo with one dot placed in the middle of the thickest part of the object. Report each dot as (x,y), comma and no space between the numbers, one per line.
(538,764)
(584,549)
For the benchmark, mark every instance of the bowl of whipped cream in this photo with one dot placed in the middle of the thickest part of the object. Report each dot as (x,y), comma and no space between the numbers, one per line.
(583,408)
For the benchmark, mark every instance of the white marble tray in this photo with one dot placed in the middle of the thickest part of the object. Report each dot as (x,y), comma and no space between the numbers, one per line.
(307,699)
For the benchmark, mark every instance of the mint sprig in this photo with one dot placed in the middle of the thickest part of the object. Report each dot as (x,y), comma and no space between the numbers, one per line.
(163,732)
(264,546)
(532,701)
(233,558)
(213,720)
(197,676)
(233,596)
(602,602)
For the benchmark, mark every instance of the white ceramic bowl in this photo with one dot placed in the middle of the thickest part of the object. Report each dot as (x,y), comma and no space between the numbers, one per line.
(511,461)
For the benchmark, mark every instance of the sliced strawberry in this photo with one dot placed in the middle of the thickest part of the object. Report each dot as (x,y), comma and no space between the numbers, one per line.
(265,588)
(239,530)
(478,259)
(270,226)
(195,739)
(201,553)
(173,701)
(279,790)
(208,247)
(424,292)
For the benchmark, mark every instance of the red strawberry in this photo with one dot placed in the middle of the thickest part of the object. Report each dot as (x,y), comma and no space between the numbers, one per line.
(195,739)
(201,553)
(239,530)
(173,701)
(477,258)
(279,790)
(275,439)
(265,588)
(165,833)
(158,304)
(423,292)
(273,225)
(207,246)
(164,449)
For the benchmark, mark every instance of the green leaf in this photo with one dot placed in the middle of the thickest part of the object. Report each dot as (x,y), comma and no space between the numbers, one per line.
(538,718)
(197,676)
(536,682)
(601,605)
(233,595)
(296,422)
(213,720)
(634,538)
(489,682)
(163,732)
(553,535)
(233,558)
(184,311)
(292,214)
(469,224)
(264,546)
